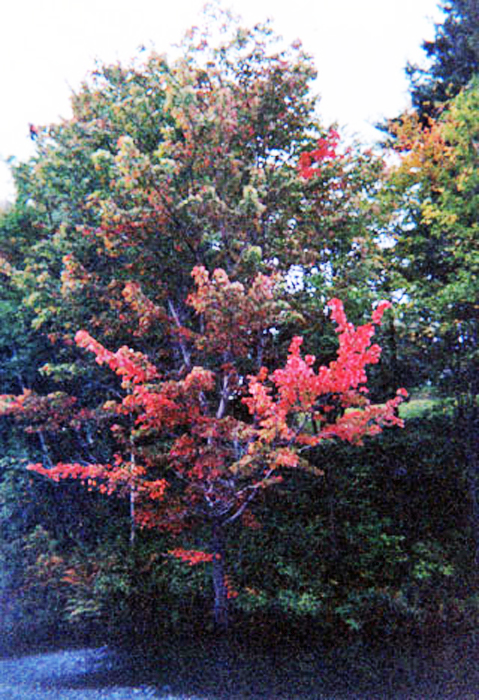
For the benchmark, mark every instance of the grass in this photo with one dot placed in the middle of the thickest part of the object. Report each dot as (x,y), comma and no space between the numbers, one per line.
(416,408)
(421,405)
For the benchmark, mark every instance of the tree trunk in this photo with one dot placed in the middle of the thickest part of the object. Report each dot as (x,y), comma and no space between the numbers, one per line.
(132,516)
(132,499)
(219,584)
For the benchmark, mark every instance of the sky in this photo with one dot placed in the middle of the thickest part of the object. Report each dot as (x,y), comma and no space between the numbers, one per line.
(360,48)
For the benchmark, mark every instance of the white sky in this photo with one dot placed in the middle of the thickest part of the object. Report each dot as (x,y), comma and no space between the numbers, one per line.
(48,46)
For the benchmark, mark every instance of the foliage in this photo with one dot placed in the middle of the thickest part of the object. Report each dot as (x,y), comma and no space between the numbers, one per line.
(214,166)
(184,457)
(434,256)
(382,539)
(381,545)
(168,263)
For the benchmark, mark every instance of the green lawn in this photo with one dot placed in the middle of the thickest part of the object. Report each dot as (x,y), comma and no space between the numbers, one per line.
(415,408)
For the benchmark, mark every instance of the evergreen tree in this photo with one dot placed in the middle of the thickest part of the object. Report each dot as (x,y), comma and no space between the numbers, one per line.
(454,55)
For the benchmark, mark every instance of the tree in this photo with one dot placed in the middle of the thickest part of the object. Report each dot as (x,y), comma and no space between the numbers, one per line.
(168,218)
(194,161)
(454,55)
(434,258)
(186,458)
(167,166)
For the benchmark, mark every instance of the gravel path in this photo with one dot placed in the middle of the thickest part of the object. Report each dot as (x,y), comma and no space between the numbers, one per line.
(71,675)
(101,674)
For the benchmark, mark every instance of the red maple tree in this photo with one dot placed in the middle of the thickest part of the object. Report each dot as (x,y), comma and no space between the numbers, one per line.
(221,172)
(187,455)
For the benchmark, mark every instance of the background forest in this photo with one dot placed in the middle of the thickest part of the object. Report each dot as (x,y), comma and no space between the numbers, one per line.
(170,457)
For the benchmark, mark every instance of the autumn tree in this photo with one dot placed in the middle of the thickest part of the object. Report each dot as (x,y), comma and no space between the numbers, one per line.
(195,162)
(198,216)
(217,159)
(185,454)
(434,256)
